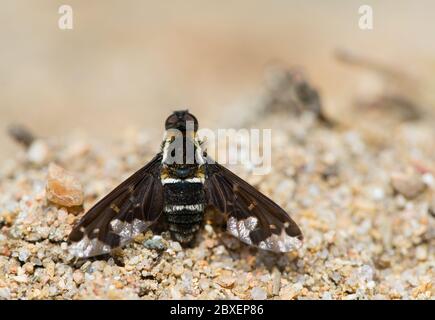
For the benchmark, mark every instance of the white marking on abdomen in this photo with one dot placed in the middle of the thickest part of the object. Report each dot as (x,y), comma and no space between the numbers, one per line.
(175,180)
(191,207)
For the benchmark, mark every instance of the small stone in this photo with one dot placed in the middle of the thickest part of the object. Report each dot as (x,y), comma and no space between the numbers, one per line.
(23,255)
(77,149)
(118,284)
(186,282)
(204,284)
(371,285)
(38,152)
(377,194)
(134,260)
(400,201)
(409,185)
(350,297)
(5,293)
(208,228)
(107,271)
(176,294)
(177,269)
(226,281)
(63,188)
(258,293)
(78,277)
(21,279)
(29,268)
(428,179)
(326,296)
(62,215)
(276,284)
(155,243)
(421,253)
(176,246)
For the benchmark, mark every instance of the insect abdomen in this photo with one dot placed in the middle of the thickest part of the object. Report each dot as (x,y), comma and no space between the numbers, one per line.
(184,208)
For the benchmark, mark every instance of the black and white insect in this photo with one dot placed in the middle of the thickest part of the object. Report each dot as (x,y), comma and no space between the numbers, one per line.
(173,194)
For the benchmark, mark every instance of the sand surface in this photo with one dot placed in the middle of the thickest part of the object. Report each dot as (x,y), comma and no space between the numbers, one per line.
(362,189)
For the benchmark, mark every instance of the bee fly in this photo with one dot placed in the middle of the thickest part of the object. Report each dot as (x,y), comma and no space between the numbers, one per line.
(175,195)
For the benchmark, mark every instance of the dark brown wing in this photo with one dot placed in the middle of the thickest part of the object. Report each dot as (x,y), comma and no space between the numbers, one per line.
(253,217)
(124,213)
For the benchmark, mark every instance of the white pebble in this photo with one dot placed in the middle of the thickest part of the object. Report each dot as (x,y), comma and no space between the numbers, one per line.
(428,179)
(38,152)
(21,279)
(378,194)
(258,293)
(5,293)
(421,253)
(326,296)
(23,255)
(176,246)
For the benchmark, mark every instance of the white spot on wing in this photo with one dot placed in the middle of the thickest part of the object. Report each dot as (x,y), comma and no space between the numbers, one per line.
(241,229)
(88,248)
(128,230)
(278,243)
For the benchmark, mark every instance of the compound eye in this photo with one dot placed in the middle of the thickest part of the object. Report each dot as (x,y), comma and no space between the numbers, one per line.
(171,121)
(180,120)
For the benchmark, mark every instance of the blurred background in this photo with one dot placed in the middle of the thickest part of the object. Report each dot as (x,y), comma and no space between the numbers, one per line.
(129,63)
